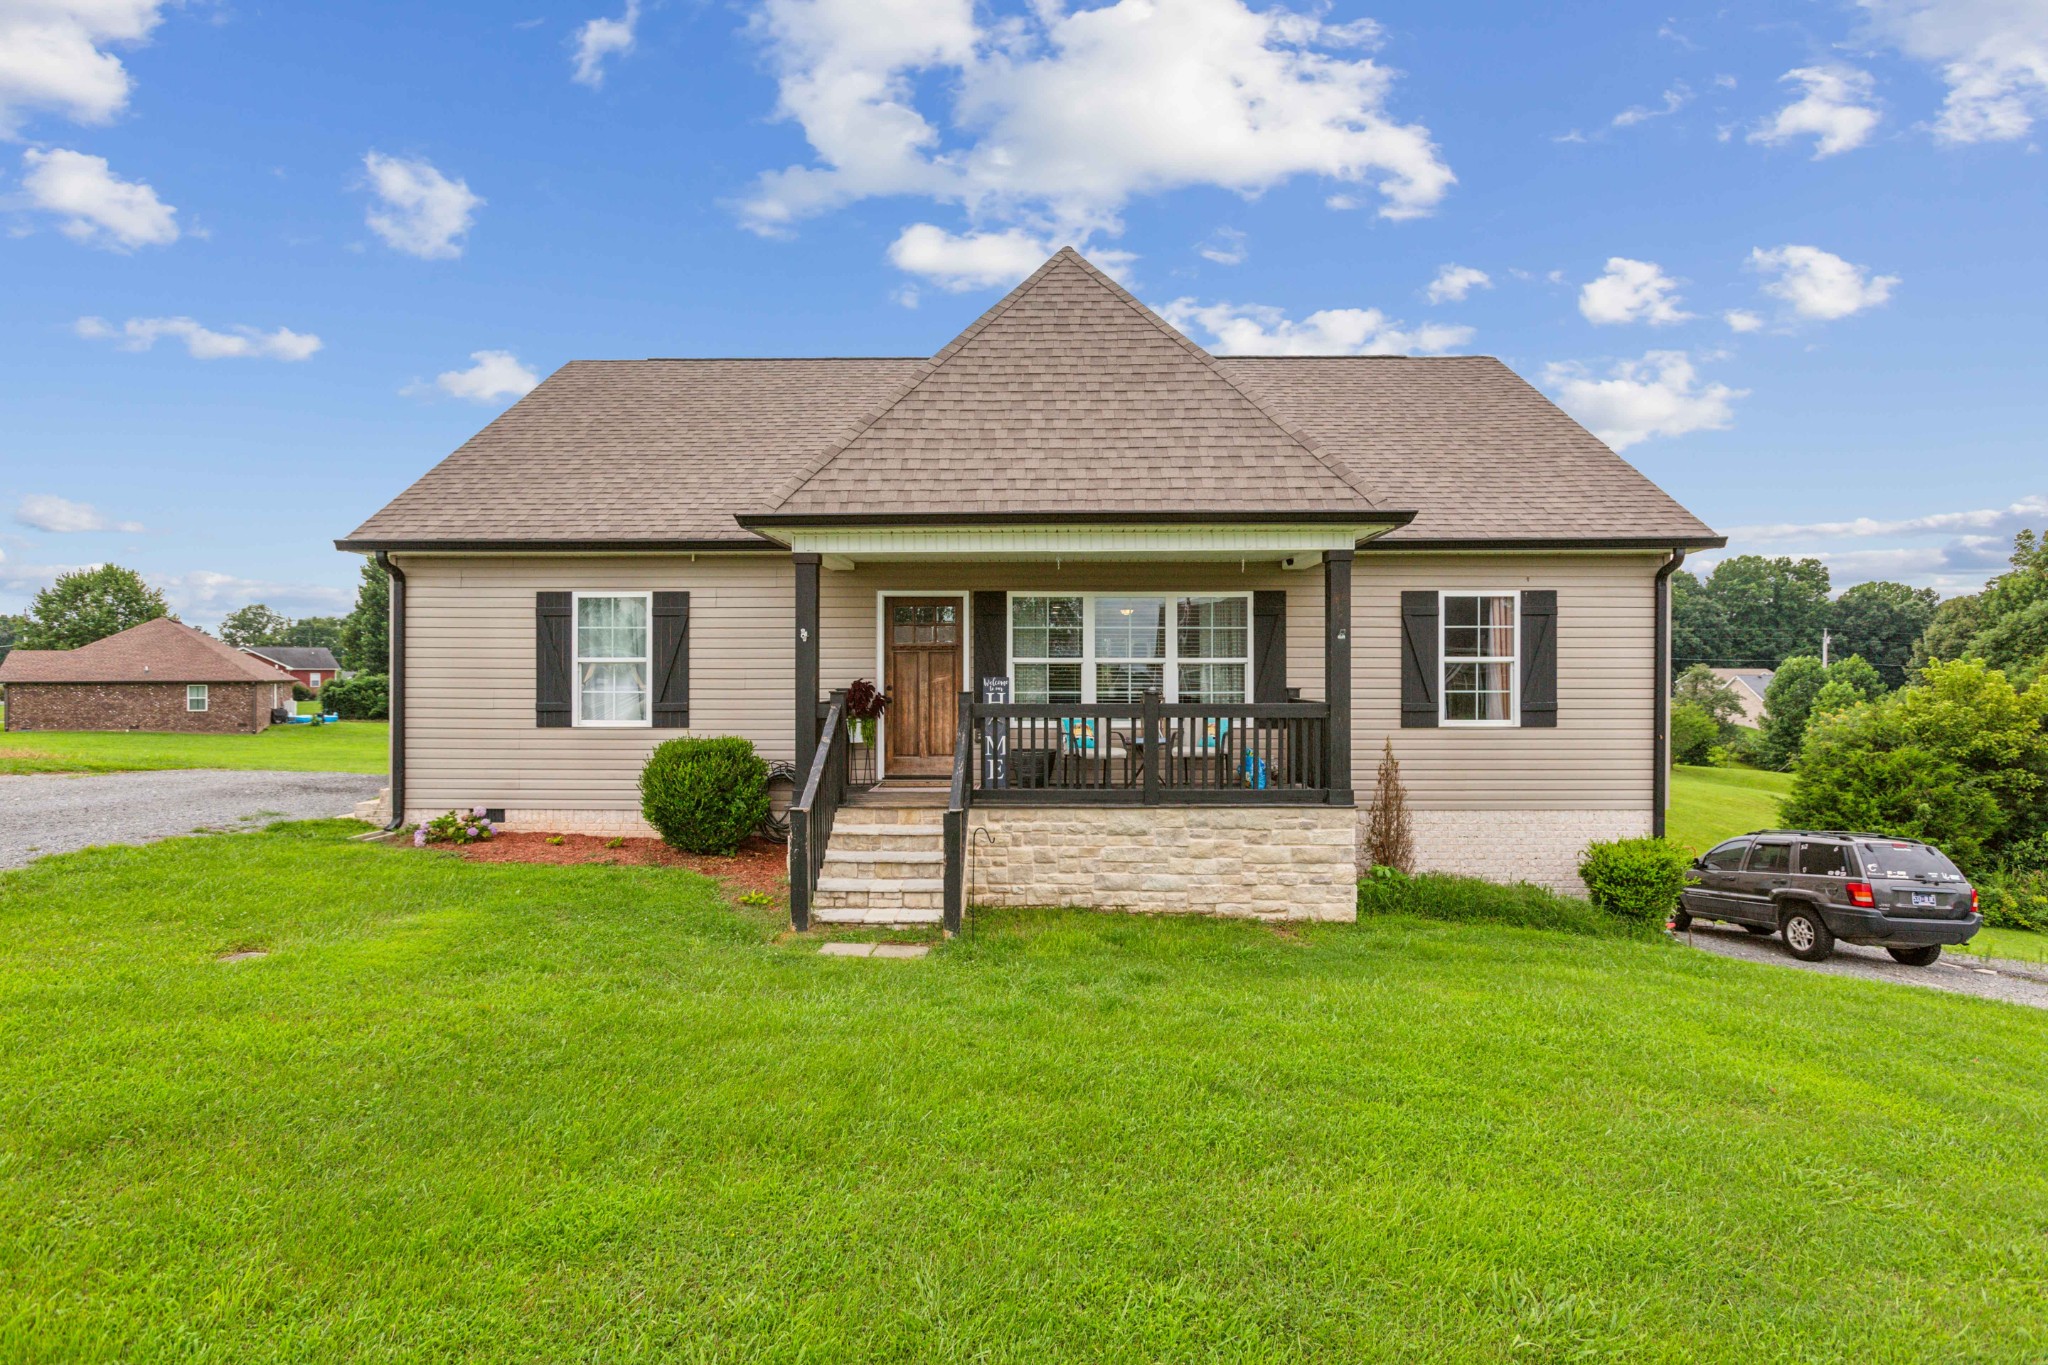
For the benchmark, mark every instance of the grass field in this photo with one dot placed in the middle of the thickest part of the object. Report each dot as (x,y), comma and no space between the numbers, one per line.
(1712,804)
(475,1112)
(349,747)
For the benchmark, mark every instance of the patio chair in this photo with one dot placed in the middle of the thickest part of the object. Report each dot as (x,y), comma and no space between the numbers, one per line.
(1079,742)
(1212,740)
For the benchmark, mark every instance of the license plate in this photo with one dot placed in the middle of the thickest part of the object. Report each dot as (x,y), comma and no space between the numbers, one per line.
(1923,898)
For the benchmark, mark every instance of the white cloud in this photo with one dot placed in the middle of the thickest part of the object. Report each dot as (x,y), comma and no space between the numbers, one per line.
(97,206)
(2031,510)
(201,597)
(47,512)
(1742,320)
(1675,99)
(1258,329)
(972,260)
(495,375)
(1992,53)
(1056,119)
(1225,247)
(1632,291)
(1820,284)
(1659,395)
(422,212)
(602,38)
(202,343)
(53,56)
(1454,282)
(1836,111)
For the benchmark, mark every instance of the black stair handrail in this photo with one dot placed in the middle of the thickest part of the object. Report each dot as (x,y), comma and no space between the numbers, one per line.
(811,814)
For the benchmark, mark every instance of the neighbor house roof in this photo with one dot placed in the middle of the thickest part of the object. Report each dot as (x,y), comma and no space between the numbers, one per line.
(1067,399)
(162,650)
(308,657)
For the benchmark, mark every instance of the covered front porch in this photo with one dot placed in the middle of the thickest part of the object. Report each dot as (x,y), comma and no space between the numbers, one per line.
(1040,674)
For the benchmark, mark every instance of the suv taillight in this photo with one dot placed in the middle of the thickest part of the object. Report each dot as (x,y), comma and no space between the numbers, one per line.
(1861,894)
(1973,900)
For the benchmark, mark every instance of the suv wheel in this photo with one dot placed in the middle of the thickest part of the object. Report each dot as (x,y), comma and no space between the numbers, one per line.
(1807,936)
(1916,957)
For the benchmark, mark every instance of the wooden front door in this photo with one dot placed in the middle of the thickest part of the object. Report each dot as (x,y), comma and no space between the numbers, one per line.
(923,643)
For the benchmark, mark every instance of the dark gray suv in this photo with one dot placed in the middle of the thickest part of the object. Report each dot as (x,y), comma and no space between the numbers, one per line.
(1818,886)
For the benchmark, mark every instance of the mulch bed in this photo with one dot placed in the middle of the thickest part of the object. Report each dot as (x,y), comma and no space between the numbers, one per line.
(759,865)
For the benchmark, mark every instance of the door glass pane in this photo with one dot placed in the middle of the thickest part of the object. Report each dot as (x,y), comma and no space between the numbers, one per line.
(1770,858)
(1823,860)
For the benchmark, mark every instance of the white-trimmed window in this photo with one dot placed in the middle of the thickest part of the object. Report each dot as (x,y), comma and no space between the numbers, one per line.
(614,658)
(1479,659)
(195,696)
(1115,647)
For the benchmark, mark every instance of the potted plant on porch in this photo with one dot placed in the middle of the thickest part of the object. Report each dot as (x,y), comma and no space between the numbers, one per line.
(865,703)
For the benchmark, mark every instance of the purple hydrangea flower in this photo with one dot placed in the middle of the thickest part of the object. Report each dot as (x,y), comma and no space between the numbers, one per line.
(419,837)
(477,811)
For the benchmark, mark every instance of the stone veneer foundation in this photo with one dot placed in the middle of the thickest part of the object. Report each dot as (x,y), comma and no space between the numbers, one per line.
(1540,846)
(1277,862)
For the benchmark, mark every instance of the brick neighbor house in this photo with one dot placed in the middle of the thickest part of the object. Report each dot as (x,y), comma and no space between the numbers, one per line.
(310,665)
(160,675)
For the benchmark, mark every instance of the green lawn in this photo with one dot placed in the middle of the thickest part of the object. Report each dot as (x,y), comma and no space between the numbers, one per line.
(472,1112)
(1712,804)
(349,747)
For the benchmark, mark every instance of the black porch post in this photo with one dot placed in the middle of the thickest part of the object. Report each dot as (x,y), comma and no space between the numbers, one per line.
(1337,671)
(806,716)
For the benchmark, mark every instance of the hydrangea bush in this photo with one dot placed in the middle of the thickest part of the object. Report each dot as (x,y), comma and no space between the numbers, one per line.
(455,827)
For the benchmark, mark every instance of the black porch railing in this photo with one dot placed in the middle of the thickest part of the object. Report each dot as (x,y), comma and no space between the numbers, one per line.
(1149,753)
(816,804)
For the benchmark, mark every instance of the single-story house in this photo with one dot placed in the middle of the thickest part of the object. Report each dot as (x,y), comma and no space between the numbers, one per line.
(1750,685)
(1147,615)
(160,675)
(312,665)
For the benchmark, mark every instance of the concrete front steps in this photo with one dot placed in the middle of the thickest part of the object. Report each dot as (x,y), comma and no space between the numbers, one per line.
(885,862)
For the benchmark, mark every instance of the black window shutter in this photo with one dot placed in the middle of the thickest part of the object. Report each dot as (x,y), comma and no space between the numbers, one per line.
(991,643)
(1269,645)
(671,660)
(1418,660)
(551,692)
(1539,659)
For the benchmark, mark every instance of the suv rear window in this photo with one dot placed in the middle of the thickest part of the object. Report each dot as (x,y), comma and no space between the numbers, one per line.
(1727,857)
(1823,860)
(1914,862)
(1770,858)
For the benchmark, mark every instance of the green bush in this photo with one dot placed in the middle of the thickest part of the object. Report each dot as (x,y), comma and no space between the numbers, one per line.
(367,696)
(1637,880)
(2015,900)
(704,795)
(1693,733)
(1468,900)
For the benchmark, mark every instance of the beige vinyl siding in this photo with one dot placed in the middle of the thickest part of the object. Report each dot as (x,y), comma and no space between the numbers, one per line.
(470,733)
(470,639)
(1598,757)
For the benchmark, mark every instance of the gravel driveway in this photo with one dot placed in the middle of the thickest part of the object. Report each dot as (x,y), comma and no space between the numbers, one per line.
(2020,983)
(54,813)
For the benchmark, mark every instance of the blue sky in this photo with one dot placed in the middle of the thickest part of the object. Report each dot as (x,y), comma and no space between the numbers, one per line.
(264,264)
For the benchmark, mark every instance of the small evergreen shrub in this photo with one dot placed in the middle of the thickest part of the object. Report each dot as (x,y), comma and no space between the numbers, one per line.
(704,795)
(1469,900)
(1637,880)
(367,696)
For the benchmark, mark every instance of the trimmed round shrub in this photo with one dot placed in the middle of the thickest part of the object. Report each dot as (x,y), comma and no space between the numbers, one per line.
(704,795)
(366,696)
(1635,879)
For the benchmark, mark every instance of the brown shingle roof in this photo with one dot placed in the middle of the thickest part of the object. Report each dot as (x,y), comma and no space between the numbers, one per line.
(1467,443)
(162,650)
(1071,396)
(1067,397)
